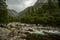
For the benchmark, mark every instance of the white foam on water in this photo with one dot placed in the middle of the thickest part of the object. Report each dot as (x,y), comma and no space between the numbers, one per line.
(48,31)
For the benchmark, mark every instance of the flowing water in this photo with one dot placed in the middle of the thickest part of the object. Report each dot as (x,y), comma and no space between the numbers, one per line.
(38,30)
(48,31)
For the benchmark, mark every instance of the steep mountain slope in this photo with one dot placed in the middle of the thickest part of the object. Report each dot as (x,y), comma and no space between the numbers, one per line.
(12,13)
(35,7)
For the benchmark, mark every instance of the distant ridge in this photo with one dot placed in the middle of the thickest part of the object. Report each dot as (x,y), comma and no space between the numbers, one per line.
(35,7)
(12,13)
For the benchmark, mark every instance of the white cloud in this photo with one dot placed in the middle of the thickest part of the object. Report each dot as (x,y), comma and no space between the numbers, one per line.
(19,5)
(30,2)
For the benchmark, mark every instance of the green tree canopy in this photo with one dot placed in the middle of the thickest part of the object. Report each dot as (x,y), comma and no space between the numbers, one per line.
(3,12)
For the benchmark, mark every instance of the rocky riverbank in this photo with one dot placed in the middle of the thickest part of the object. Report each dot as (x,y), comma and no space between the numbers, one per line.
(19,31)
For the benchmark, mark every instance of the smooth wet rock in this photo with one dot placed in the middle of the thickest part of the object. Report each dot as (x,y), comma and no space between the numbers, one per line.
(4,33)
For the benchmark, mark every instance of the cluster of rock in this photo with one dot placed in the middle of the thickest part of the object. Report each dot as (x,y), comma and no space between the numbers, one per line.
(18,31)
(13,31)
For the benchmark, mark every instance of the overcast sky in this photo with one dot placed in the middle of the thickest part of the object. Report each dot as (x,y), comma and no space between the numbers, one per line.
(19,5)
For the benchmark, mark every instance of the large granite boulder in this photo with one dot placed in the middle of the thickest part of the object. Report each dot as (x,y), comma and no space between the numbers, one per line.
(4,33)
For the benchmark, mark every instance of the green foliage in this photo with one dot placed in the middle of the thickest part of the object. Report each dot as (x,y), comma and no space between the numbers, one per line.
(43,15)
(4,18)
(13,19)
(3,12)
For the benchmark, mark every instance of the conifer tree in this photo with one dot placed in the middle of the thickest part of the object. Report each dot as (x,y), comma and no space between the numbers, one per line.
(3,12)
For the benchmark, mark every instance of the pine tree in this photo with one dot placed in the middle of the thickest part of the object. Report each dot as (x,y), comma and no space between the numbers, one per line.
(49,6)
(3,12)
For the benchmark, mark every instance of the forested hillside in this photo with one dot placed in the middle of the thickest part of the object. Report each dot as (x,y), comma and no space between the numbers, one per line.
(47,14)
